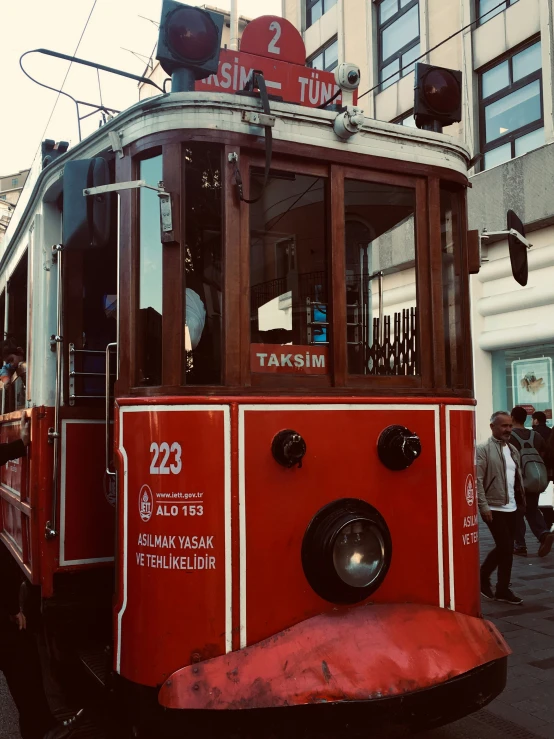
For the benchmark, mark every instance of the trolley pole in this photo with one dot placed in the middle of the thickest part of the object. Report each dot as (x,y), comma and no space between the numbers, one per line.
(234,29)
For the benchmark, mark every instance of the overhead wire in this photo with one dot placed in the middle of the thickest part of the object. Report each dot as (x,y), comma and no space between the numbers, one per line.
(65,78)
(444,41)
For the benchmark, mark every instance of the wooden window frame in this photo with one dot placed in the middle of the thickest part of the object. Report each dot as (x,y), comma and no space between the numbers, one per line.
(171,146)
(424,378)
(255,379)
(237,377)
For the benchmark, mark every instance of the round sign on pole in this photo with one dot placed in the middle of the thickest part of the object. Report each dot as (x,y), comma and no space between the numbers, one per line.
(275,38)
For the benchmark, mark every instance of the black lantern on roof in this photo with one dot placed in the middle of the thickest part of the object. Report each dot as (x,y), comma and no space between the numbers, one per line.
(438,97)
(188,44)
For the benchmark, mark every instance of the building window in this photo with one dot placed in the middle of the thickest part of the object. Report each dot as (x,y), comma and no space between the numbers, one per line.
(2,197)
(398,39)
(511,109)
(487,9)
(325,58)
(14,182)
(406,120)
(316,8)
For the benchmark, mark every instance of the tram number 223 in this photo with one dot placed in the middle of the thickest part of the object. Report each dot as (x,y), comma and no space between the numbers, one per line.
(166,458)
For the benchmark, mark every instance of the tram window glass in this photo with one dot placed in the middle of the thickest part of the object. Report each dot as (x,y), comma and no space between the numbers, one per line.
(452,287)
(17,330)
(511,108)
(203,264)
(288,275)
(381,279)
(150,277)
(399,47)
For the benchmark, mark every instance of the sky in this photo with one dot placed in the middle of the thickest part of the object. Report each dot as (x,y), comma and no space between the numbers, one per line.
(115,27)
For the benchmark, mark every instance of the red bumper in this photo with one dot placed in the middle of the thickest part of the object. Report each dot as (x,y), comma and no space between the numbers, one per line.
(363,654)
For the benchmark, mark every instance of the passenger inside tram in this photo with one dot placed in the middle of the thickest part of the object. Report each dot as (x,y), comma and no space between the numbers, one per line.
(14,364)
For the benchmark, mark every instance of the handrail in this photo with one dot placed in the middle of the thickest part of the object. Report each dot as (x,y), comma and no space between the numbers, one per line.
(108,347)
(56,343)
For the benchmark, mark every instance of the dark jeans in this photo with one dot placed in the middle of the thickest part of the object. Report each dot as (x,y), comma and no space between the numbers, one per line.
(502,528)
(20,663)
(534,518)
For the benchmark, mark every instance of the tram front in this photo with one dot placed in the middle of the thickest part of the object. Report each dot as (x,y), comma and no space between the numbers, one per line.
(294,413)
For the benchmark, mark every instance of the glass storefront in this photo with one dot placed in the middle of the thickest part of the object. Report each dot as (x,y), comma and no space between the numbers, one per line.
(524,376)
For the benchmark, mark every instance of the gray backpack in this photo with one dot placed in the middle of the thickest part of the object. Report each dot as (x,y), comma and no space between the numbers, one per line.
(533,468)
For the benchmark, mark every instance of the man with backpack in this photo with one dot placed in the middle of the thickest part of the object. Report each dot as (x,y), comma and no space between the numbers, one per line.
(532,450)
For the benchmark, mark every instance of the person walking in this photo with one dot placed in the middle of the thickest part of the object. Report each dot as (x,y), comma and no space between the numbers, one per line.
(500,493)
(540,426)
(532,452)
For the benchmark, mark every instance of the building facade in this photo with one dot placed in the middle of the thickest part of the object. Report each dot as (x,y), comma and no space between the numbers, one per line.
(506,53)
(10,189)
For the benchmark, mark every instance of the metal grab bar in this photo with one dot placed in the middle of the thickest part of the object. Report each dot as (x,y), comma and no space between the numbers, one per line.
(72,350)
(74,373)
(56,343)
(108,347)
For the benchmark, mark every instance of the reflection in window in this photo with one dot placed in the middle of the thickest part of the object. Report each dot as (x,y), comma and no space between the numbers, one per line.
(380,279)
(398,39)
(316,8)
(487,9)
(452,287)
(511,106)
(513,111)
(326,58)
(203,265)
(150,280)
(288,272)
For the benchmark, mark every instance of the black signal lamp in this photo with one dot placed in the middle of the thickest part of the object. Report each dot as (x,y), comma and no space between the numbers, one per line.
(188,43)
(52,150)
(438,97)
(517,249)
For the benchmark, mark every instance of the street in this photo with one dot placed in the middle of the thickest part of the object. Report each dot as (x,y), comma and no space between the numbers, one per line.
(525,710)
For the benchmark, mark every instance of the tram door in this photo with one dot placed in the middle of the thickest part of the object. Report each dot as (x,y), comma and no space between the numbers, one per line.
(87,495)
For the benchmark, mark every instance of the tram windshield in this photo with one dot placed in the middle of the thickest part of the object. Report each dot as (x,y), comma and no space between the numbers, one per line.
(200,278)
(288,268)
(380,279)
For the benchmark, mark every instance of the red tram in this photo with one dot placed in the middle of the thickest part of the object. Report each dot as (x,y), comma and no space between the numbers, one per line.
(250,387)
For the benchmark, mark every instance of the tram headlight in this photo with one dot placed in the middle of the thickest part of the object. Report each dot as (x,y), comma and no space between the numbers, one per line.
(359,553)
(346,551)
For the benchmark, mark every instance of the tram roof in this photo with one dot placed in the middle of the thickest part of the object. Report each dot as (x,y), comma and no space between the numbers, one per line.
(224,112)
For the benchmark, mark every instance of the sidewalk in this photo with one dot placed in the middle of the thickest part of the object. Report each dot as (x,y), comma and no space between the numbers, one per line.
(528,700)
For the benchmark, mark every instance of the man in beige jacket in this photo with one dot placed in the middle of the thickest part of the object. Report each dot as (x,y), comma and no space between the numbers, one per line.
(500,493)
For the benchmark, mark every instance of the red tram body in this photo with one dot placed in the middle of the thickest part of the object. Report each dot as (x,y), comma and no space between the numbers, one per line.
(291,518)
